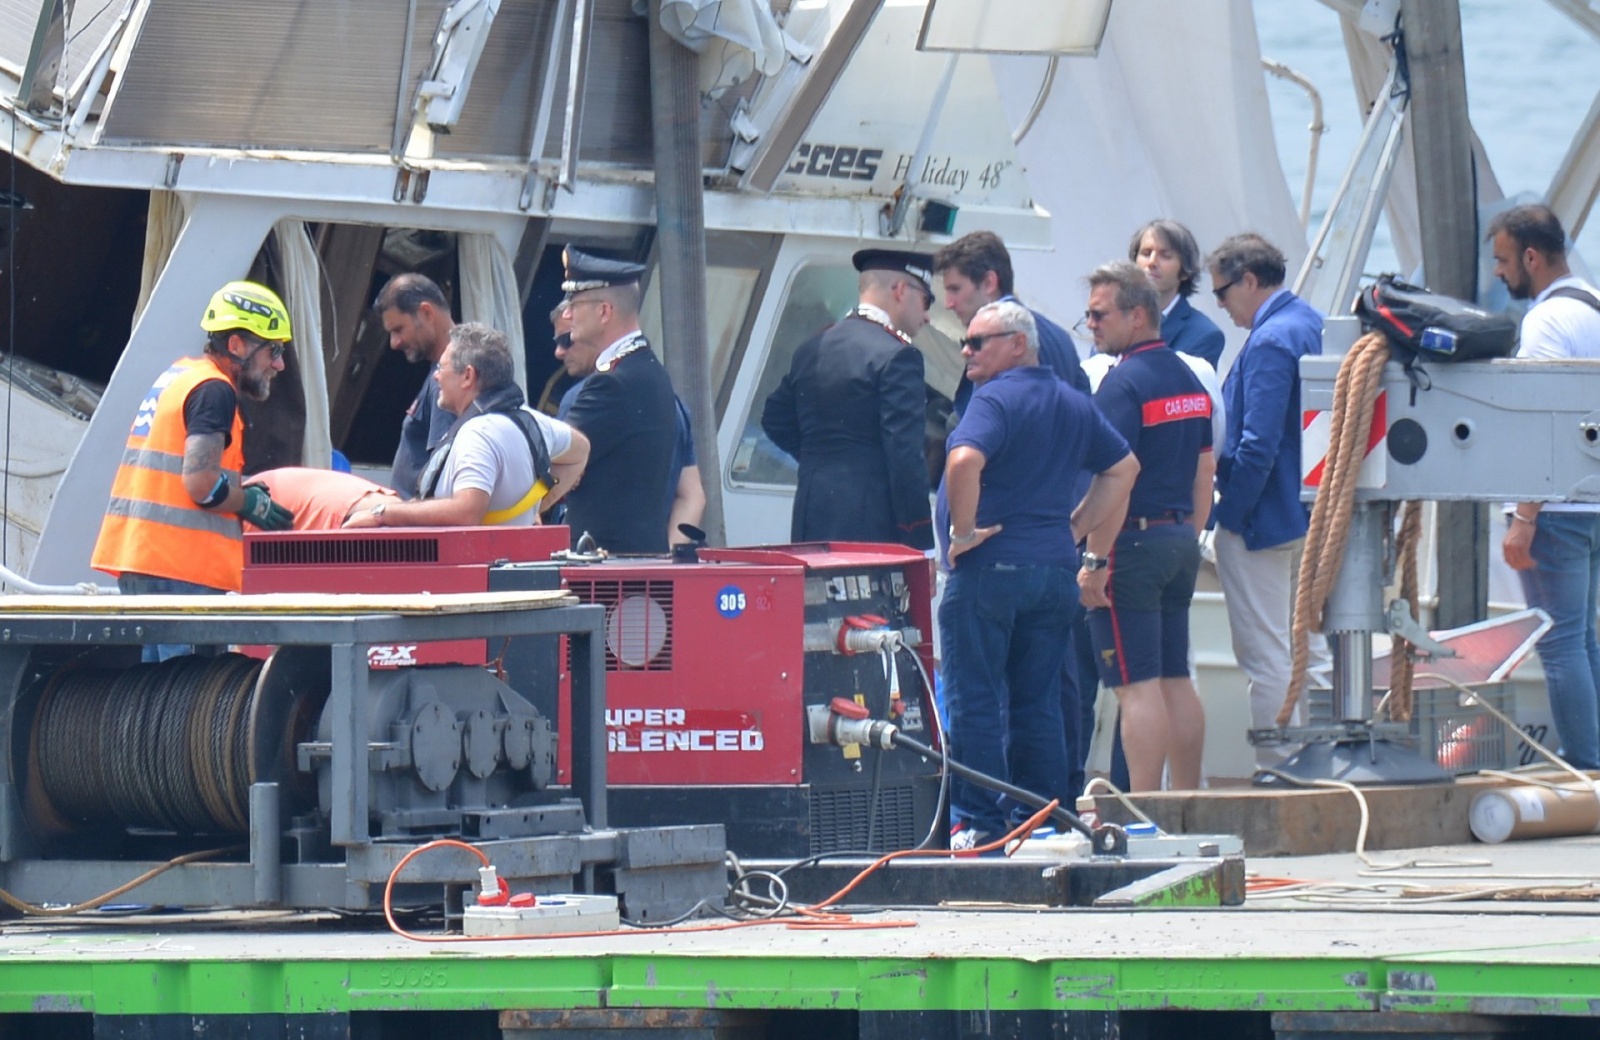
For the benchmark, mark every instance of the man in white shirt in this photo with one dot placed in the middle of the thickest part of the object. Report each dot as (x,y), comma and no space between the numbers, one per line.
(1555,547)
(502,462)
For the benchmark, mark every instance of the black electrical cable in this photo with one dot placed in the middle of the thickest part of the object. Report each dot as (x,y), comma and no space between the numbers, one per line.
(1058,814)
(930,709)
(874,793)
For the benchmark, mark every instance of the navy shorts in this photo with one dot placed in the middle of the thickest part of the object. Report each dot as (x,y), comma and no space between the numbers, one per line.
(1145,633)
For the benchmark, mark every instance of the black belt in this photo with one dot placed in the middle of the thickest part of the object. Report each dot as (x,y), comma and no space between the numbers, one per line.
(1144,523)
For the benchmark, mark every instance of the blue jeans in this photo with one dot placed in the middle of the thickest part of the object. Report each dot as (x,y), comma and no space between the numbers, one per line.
(1005,637)
(1566,549)
(132,584)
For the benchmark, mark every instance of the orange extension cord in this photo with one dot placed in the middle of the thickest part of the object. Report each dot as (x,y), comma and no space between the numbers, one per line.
(809,918)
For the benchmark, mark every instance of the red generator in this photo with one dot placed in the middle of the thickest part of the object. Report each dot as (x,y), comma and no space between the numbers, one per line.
(714,668)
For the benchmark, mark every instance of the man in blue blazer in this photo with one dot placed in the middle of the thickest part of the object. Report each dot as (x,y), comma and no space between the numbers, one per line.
(1260,519)
(1169,256)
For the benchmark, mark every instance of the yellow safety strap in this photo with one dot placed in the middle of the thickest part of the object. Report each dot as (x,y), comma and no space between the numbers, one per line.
(522,505)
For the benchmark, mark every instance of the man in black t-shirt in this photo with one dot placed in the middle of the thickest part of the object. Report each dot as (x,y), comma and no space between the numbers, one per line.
(417,318)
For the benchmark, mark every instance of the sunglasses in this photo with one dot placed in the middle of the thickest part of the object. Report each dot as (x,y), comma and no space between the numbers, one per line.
(1222,290)
(975,343)
(1098,316)
(276,348)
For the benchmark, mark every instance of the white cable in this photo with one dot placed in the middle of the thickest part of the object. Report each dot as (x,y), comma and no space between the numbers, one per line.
(1115,792)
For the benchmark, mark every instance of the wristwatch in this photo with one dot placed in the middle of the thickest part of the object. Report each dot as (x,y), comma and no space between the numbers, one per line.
(1090,562)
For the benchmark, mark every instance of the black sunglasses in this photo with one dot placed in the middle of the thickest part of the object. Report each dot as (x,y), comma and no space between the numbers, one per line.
(975,343)
(1222,290)
(275,347)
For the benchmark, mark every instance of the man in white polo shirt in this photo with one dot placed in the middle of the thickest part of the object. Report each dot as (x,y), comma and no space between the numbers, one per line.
(1555,547)
(501,462)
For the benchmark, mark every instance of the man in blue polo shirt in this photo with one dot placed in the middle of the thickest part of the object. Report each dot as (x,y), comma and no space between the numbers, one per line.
(1138,577)
(1011,468)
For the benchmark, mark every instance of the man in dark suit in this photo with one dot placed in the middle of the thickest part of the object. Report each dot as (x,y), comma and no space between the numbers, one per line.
(975,270)
(1260,518)
(626,410)
(851,412)
(1170,258)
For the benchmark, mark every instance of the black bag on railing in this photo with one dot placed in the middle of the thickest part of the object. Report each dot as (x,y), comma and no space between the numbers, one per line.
(1425,326)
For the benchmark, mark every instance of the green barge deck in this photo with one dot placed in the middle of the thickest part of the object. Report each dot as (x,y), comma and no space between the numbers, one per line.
(1513,944)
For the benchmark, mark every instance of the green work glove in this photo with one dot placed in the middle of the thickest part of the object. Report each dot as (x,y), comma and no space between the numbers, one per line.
(261,510)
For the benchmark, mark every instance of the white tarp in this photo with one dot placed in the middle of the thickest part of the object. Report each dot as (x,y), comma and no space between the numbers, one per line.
(1171,120)
(746,23)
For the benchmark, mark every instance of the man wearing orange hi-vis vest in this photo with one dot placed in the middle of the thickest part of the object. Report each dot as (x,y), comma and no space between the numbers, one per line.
(178,504)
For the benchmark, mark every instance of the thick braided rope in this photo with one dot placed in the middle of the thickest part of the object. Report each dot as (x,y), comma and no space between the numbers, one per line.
(1354,400)
(1402,666)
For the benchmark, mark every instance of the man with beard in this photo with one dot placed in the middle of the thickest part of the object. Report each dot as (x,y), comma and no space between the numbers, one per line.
(417,318)
(174,522)
(1555,546)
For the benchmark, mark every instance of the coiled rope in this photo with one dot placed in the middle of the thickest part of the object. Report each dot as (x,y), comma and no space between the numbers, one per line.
(1355,396)
(163,746)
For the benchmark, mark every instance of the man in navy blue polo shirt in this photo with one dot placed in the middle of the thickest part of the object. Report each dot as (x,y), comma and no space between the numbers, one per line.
(1138,577)
(1011,468)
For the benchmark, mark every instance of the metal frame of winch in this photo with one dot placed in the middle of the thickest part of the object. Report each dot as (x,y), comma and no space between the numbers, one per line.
(361,866)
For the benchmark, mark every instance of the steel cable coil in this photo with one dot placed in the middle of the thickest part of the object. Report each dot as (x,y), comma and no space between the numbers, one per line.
(160,746)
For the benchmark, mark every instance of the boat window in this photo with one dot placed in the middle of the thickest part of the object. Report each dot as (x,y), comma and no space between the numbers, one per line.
(819,294)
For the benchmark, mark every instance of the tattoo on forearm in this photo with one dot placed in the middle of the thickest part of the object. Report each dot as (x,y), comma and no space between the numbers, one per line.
(202,453)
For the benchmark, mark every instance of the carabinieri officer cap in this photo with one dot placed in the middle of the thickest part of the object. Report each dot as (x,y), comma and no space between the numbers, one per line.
(585,272)
(901,261)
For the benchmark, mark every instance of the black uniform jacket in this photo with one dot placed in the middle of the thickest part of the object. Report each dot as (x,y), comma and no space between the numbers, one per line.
(630,418)
(851,413)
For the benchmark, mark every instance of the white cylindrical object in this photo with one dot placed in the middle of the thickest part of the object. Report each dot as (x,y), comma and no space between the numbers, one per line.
(1514,813)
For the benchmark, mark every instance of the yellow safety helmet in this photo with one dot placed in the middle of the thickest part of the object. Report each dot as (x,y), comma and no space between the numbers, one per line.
(249,307)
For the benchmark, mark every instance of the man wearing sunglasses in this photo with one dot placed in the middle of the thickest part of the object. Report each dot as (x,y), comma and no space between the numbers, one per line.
(625,406)
(1138,576)
(686,500)
(1260,518)
(175,520)
(1015,520)
(852,412)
